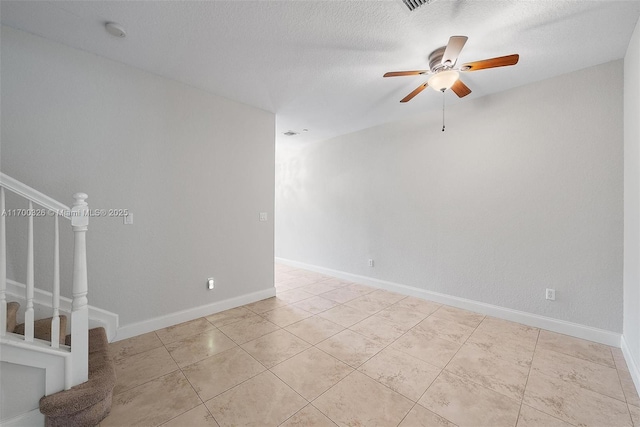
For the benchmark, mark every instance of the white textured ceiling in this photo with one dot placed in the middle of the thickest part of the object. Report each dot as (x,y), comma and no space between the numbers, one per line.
(319,64)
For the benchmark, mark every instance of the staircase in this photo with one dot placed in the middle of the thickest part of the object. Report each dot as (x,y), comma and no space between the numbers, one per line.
(79,375)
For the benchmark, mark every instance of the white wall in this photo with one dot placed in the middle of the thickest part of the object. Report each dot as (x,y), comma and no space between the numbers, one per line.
(522,192)
(195,170)
(631,330)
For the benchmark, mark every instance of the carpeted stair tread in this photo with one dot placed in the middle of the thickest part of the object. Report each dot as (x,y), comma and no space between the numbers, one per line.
(88,403)
(42,328)
(12,313)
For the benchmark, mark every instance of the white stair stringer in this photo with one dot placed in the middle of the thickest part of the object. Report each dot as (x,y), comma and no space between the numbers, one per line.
(55,362)
(31,418)
(38,354)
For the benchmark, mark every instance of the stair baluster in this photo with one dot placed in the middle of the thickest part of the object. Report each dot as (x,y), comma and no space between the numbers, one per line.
(29,314)
(55,303)
(3,267)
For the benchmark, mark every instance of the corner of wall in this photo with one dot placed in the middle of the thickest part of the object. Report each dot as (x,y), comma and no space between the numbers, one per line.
(631,318)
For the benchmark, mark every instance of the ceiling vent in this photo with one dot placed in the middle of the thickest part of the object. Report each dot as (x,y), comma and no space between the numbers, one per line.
(290,133)
(414,4)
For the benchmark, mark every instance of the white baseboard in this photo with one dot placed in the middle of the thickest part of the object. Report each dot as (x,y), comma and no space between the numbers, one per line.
(97,316)
(634,369)
(33,418)
(171,319)
(561,326)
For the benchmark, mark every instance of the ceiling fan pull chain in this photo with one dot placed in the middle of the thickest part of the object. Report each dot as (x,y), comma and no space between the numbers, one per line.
(443,110)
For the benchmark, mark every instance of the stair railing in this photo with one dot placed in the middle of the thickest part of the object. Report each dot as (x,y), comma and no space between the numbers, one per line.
(78,215)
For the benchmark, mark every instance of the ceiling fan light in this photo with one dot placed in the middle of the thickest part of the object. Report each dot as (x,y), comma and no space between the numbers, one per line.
(443,80)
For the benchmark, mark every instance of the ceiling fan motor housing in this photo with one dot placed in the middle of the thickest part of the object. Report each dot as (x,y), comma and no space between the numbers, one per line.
(435,59)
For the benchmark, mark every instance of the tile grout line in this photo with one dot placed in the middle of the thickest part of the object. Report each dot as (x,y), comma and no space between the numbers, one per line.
(187,378)
(198,361)
(445,366)
(461,345)
(618,371)
(234,386)
(151,379)
(524,390)
(626,400)
(587,388)
(295,391)
(146,382)
(327,390)
(408,412)
(531,369)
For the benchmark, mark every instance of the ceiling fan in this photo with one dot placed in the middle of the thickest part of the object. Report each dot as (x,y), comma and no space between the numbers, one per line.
(443,72)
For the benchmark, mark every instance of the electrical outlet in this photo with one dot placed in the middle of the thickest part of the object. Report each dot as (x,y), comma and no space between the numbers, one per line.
(370,263)
(550,294)
(210,283)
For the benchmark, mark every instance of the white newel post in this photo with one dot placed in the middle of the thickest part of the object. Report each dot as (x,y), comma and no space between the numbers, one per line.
(79,305)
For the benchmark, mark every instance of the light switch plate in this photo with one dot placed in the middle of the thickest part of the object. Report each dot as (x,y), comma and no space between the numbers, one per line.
(263,216)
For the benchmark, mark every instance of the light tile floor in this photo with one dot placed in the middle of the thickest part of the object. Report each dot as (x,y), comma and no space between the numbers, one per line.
(326,352)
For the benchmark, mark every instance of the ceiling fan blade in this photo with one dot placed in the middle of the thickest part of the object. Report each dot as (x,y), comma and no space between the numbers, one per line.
(455,45)
(415,92)
(501,61)
(460,89)
(404,73)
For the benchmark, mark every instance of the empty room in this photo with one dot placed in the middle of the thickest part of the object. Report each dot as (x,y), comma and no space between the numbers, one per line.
(320,213)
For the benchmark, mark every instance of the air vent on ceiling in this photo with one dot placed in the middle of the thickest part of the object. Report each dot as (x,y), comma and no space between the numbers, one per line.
(414,4)
(290,133)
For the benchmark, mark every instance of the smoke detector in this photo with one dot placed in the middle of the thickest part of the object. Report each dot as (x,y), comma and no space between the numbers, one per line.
(115,30)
